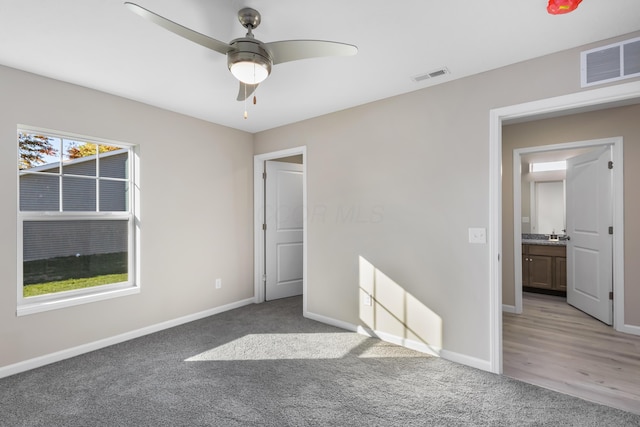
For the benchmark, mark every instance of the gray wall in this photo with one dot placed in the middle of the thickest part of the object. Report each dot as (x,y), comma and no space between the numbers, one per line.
(414,172)
(393,187)
(195,221)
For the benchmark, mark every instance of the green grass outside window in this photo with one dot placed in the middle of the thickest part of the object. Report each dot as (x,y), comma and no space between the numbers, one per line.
(71,284)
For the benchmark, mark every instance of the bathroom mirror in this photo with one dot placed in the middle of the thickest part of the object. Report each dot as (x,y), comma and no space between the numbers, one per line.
(547,207)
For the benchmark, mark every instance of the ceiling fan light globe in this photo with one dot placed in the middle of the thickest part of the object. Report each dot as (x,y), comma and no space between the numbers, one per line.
(249,72)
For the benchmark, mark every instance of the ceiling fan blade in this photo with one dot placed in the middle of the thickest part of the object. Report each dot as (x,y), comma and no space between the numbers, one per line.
(244,94)
(293,50)
(178,29)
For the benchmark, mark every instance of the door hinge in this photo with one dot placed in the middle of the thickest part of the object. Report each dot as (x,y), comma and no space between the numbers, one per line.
(610,230)
(610,164)
(264,175)
(611,295)
(264,227)
(264,278)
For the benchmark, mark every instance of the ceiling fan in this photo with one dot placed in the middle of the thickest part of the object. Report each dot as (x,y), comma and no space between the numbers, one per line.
(249,59)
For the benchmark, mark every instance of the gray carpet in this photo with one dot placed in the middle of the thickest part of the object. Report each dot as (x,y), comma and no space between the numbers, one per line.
(266,365)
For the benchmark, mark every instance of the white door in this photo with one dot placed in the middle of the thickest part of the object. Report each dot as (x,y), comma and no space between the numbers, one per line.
(589,250)
(283,236)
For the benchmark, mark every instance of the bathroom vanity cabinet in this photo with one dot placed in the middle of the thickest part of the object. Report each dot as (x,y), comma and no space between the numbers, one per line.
(544,267)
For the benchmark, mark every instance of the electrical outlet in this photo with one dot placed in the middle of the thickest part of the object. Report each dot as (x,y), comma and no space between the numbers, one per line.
(477,235)
(218,283)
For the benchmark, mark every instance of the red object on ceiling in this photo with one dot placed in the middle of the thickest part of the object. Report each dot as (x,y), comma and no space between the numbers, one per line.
(558,7)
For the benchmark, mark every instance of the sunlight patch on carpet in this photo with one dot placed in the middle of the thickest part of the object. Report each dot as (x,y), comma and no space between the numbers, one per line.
(302,346)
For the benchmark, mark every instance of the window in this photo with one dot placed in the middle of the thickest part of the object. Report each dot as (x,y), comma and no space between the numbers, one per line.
(548,166)
(76,220)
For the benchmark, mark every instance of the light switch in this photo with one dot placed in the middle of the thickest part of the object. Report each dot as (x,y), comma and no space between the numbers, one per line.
(525,220)
(366,299)
(477,235)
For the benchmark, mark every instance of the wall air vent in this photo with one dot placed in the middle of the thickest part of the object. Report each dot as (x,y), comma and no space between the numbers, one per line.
(426,76)
(609,63)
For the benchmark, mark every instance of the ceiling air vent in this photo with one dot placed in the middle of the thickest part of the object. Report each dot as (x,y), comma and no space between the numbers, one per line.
(430,75)
(610,63)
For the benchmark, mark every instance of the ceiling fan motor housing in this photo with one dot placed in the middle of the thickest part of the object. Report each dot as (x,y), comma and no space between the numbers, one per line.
(249,50)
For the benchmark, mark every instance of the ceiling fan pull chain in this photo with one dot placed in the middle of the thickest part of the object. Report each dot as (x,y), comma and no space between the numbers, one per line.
(254,100)
(245,102)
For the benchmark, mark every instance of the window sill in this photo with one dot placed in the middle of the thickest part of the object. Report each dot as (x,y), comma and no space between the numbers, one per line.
(39,307)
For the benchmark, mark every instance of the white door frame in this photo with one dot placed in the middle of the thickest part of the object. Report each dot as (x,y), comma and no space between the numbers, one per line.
(258,220)
(575,101)
(618,218)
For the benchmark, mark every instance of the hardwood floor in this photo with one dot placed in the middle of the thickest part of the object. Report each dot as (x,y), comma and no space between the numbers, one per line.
(553,345)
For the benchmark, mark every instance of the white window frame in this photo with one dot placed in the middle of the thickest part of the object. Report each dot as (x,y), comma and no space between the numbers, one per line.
(58,300)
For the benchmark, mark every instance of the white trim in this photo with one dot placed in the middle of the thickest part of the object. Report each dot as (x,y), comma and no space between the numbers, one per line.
(588,98)
(37,362)
(60,302)
(258,220)
(618,238)
(577,100)
(509,309)
(76,216)
(618,216)
(401,341)
(331,322)
(384,336)
(630,329)
(410,344)
(495,242)
(463,359)
(134,169)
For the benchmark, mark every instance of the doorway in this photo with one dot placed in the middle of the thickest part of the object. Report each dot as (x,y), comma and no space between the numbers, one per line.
(566,366)
(522,221)
(283,227)
(263,255)
(590,100)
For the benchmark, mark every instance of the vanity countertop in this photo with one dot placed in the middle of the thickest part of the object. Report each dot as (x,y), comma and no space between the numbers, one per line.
(544,242)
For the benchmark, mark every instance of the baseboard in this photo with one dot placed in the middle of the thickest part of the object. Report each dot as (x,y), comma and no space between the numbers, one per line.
(394,339)
(509,308)
(330,321)
(630,329)
(106,342)
(463,359)
(452,356)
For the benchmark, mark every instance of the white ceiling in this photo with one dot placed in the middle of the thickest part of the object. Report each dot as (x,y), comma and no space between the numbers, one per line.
(102,45)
